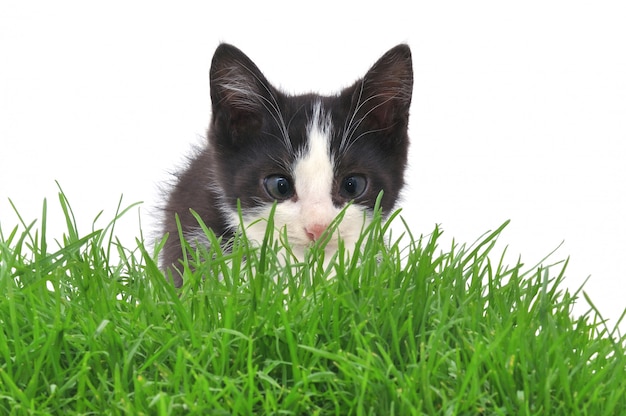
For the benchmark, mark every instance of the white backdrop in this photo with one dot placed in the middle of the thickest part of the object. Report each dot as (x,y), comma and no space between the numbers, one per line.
(519,111)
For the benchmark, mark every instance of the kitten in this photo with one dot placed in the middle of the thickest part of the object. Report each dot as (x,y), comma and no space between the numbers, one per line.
(311,154)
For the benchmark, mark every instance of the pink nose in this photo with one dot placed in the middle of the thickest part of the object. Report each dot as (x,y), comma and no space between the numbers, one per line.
(314,231)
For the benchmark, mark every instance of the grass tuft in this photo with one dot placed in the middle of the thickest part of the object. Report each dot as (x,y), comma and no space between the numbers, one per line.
(397,330)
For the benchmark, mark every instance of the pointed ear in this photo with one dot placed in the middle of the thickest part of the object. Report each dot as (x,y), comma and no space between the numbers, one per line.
(383,97)
(238,91)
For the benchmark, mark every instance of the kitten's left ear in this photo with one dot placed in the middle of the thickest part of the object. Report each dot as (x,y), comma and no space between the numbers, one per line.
(383,96)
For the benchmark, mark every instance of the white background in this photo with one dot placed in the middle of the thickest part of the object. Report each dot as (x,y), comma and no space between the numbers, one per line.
(519,110)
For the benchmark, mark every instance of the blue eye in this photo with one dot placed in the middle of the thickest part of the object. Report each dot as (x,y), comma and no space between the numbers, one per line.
(353,186)
(278,187)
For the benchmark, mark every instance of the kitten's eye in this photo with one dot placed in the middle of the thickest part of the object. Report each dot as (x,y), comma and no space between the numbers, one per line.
(353,186)
(278,187)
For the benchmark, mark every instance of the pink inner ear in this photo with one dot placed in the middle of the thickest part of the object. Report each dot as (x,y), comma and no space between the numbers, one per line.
(387,88)
(244,123)
(386,101)
(384,112)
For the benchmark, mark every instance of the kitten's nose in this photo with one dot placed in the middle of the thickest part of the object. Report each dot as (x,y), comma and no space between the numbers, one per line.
(314,231)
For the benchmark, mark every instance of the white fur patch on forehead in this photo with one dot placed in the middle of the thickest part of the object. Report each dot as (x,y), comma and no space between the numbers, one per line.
(313,170)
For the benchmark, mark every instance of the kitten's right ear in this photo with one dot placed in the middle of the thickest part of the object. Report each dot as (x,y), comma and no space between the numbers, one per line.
(238,91)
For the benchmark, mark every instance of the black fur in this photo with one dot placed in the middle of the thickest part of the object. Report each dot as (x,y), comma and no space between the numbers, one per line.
(251,119)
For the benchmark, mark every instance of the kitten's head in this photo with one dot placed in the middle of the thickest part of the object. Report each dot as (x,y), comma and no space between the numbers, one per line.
(312,154)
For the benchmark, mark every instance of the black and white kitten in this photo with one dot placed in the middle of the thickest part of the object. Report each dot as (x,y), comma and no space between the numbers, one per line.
(312,154)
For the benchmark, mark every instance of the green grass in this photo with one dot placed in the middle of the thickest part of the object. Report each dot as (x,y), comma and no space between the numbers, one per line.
(423,330)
